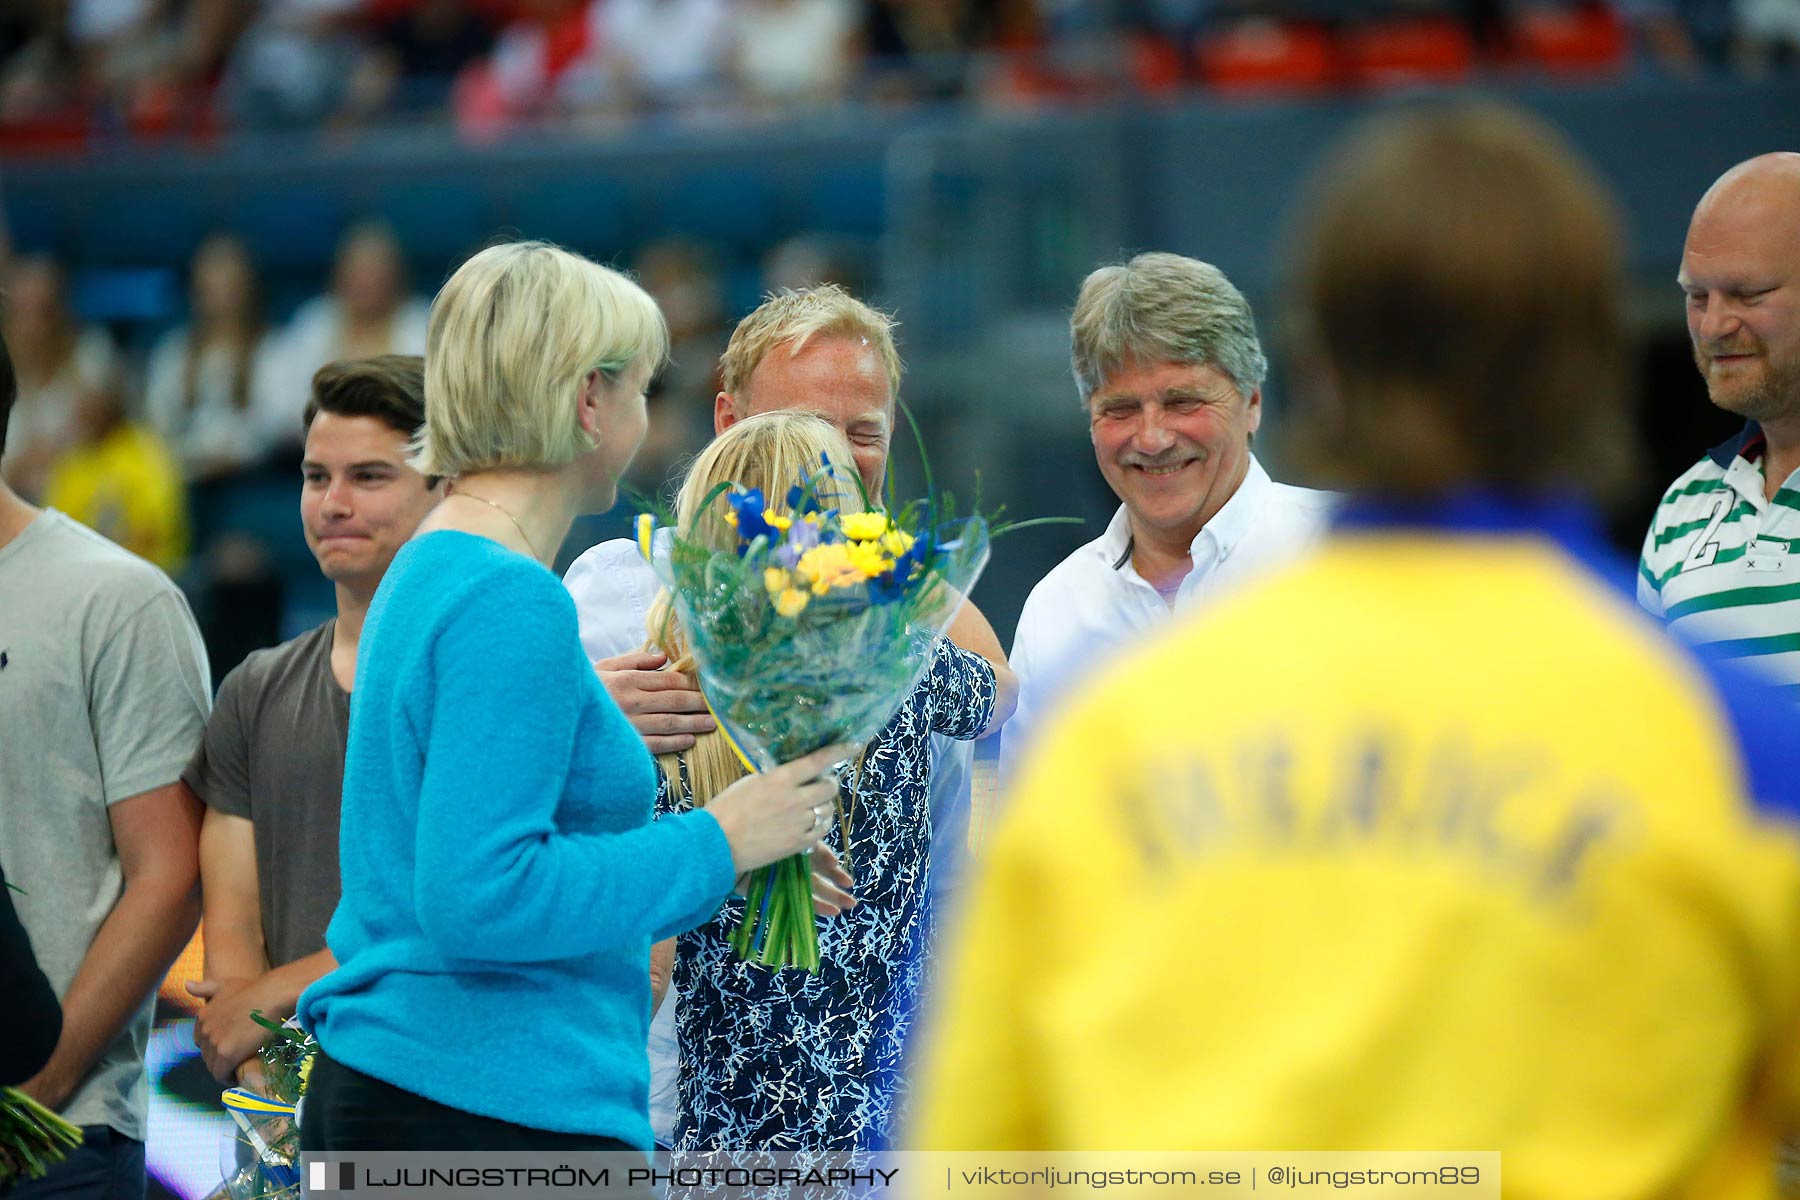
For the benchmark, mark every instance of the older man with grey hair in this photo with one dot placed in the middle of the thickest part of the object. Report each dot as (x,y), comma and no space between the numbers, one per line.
(1170,370)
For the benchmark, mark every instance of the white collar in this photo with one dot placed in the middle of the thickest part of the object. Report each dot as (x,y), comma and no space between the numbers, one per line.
(1227,527)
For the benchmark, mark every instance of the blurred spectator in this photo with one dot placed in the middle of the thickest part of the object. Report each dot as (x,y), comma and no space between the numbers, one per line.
(367,312)
(38,75)
(664,54)
(18,25)
(125,48)
(1682,36)
(210,380)
(417,52)
(922,49)
(1179,20)
(545,62)
(807,260)
(793,52)
(294,65)
(56,359)
(1769,31)
(683,278)
(120,480)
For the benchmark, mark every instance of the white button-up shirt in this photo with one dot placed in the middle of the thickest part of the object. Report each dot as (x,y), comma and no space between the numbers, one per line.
(1094,601)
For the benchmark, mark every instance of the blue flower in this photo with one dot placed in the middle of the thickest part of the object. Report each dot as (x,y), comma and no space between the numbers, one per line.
(748,506)
(808,495)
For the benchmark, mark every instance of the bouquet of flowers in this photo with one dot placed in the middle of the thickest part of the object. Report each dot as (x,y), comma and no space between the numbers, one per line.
(811,630)
(31,1138)
(264,1152)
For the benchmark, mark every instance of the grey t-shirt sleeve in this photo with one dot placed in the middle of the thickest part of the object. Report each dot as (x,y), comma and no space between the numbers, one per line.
(148,697)
(220,771)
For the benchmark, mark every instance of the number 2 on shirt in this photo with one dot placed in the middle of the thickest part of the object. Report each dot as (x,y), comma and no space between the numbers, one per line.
(1705,548)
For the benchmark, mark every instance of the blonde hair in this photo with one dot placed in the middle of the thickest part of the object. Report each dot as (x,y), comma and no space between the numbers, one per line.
(513,337)
(772,451)
(793,318)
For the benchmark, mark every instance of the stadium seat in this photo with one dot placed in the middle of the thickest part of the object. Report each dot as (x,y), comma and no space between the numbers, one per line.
(1586,40)
(1259,57)
(148,296)
(64,131)
(1156,66)
(1407,53)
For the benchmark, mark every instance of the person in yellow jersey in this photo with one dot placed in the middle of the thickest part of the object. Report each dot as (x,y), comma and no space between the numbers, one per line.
(1432,841)
(121,480)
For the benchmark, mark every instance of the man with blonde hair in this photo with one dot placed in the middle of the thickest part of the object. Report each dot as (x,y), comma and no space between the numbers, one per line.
(818,350)
(1170,371)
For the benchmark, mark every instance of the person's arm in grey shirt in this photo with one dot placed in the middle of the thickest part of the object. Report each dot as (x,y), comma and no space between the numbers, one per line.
(148,703)
(156,833)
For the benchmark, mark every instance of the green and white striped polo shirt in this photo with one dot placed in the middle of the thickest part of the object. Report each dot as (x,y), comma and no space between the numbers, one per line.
(1721,563)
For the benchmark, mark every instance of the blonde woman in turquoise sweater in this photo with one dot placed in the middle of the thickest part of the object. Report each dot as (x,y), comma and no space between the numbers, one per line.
(502,879)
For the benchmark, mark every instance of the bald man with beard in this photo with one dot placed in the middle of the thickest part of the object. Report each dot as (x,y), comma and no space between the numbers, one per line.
(1721,563)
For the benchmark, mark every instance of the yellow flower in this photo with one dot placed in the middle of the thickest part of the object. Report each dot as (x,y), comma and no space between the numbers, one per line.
(865,526)
(776,580)
(791,602)
(826,567)
(777,521)
(868,559)
(897,542)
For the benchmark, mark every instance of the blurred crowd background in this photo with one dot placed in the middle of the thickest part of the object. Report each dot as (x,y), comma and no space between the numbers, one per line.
(207,199)
(155,68)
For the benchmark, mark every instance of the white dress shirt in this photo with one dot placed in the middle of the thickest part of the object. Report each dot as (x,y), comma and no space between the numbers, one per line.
(1094,601)
(613,588)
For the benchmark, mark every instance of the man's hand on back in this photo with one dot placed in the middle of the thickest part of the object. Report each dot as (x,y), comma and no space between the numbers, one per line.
(665,707)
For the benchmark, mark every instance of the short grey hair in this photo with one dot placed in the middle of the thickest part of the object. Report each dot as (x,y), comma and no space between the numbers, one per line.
(1161,308)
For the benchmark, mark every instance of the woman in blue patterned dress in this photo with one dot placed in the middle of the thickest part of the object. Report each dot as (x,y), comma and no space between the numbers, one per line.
(783,1059)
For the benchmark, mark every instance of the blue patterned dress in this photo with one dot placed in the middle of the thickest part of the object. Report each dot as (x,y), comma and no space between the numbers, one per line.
(784,1060)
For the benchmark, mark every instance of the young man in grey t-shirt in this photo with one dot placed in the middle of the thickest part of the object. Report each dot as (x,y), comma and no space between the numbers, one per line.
(271,766)
(103,692)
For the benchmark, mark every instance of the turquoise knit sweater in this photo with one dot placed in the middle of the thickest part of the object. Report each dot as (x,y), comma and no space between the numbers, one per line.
(502,879)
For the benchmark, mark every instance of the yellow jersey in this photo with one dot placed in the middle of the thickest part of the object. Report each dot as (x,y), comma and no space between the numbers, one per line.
(1432,842)
(127,488)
